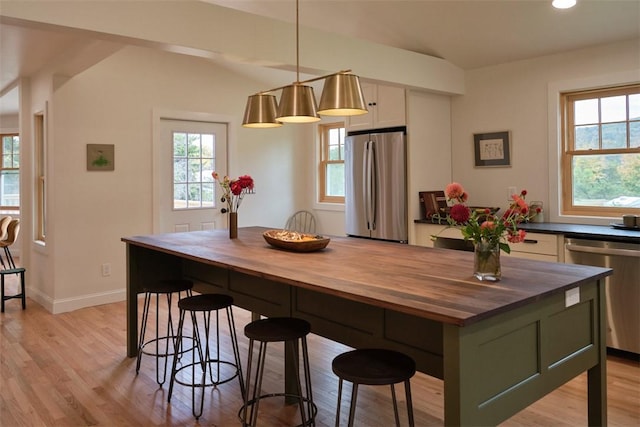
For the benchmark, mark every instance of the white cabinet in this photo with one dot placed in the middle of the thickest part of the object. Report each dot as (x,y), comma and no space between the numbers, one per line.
(386,105)
(540,246)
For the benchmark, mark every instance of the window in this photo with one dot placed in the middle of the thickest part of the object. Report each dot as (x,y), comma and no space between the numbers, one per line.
(331,162)
(601,156)
(10,172)
(193,163)
(41,209)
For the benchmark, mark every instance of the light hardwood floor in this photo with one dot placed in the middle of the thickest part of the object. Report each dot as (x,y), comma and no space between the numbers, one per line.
(71,369)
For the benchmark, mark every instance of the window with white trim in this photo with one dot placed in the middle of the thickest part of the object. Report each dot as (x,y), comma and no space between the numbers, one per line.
(10,172)
(601,152)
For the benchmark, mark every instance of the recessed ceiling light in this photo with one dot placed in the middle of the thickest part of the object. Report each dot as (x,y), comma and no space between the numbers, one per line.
(563,4)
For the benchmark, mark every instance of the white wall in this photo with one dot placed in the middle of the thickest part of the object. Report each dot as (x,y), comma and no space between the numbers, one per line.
(513,97)
(112,103)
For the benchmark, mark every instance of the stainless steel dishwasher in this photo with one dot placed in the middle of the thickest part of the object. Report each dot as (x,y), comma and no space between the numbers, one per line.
(622,288)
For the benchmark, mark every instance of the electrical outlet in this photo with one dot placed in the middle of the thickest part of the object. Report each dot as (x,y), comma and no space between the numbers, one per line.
(510,192)
(106,269)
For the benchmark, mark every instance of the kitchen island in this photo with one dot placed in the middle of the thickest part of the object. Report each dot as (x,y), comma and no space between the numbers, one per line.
(498,346)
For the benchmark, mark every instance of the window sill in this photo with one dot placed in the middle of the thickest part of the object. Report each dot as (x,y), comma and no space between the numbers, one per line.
(338,207)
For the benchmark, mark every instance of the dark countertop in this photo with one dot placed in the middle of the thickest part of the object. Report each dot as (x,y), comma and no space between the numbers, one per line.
(579,231)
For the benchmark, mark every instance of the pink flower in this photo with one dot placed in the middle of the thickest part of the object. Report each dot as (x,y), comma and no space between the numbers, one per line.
(489,225)
(454,191)
(516,236)
(460,213)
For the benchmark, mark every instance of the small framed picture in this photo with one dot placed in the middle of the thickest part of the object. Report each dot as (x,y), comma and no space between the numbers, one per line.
(492,149)
(100,157)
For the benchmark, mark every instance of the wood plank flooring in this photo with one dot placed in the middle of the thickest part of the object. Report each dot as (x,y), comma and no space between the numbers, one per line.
(71,369)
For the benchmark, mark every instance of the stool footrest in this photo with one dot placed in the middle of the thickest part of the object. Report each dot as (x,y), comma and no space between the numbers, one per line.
(210,370)
(310,417)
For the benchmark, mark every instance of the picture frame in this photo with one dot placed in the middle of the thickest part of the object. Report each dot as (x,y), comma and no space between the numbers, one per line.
(100,157)
(492,149)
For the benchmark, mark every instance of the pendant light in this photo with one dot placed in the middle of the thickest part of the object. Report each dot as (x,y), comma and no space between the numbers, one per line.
(342,96)
(298,102)
(260,112)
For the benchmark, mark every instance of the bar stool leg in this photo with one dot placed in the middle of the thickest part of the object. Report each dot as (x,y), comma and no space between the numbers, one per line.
(178,350)
(395,404)
(236,349)
(354,398)
(294,356)
(307,374)
(143,328)
(407,389)
(203,353)
(339,402)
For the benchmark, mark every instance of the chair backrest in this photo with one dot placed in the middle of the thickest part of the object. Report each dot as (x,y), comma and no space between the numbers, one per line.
(12,233)
(302,222)
(4,224)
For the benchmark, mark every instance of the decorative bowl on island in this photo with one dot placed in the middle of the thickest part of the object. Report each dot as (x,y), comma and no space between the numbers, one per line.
(295,241)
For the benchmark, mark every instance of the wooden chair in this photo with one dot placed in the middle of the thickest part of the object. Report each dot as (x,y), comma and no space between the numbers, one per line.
(4,224)
(302,222)
(12,234)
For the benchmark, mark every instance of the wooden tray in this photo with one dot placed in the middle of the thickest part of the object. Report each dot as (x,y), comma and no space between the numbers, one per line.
(296,242)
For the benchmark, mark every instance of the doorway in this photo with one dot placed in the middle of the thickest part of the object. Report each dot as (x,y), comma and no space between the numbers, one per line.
(186,152)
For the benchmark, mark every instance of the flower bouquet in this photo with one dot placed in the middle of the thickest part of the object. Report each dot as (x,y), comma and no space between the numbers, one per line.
(233,191)
(489,232)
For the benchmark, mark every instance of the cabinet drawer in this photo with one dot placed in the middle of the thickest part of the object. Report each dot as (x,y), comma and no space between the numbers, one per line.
(537,243)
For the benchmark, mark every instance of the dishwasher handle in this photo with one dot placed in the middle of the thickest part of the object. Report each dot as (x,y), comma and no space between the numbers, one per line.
(602,251)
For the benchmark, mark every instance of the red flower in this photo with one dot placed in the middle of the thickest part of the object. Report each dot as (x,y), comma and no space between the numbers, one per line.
(460,213)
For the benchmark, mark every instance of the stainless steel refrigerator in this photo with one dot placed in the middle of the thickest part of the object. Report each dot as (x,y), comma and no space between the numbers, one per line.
(376,184)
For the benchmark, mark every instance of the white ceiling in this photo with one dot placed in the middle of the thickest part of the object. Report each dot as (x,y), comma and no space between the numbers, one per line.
(467,33)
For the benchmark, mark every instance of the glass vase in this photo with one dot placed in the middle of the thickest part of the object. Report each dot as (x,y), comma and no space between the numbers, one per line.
(486,262)
(233,225)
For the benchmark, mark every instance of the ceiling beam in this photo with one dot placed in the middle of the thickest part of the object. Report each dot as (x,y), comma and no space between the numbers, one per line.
(210,31)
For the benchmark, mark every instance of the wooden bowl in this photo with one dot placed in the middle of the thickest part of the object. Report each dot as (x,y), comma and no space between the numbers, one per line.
(296,242)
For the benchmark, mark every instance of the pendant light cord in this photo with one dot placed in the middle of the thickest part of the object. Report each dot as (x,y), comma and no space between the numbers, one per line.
(297,43)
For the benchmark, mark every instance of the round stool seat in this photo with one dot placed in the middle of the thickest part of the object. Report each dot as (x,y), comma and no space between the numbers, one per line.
(374,366)
(205,302)
(275,329)
(168,286)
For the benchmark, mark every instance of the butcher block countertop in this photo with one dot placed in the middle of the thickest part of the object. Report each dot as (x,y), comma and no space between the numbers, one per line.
(427,282)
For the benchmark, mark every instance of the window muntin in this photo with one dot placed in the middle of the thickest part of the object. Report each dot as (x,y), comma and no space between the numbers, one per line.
(601,158)
(193,163)
(331,174)
(10,172)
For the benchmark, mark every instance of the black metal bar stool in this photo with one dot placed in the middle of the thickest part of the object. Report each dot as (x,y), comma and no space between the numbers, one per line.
(21,295)
(291,331)
(374,367)
(165,345)
(204,370)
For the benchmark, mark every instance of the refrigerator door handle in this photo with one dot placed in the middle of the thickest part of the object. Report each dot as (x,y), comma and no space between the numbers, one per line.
(366,190)
(371,189)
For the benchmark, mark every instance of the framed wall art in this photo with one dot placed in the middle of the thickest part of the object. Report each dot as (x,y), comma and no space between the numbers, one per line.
(100,157)
(492,149)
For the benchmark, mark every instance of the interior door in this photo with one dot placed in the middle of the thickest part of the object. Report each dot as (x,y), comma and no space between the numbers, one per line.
(188,198)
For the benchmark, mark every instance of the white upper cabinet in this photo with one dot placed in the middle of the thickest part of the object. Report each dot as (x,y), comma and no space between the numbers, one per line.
(386,105)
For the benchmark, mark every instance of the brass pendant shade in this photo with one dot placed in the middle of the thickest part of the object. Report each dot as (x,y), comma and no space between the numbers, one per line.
(342,96)
(261,111)
(297,105)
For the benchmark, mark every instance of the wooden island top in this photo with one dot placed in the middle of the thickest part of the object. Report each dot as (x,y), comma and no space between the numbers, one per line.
(437,284)
(498,347)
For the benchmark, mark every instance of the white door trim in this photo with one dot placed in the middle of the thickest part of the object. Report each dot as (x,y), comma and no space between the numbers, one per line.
(159,114)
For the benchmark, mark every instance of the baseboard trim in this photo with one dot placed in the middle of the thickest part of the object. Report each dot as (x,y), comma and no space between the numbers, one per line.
(71,304)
